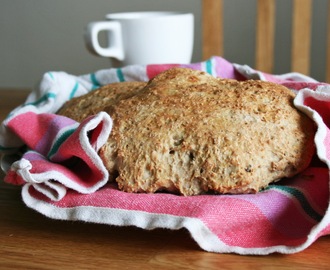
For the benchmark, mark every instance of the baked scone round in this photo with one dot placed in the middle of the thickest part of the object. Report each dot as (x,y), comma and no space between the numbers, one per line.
(189,133)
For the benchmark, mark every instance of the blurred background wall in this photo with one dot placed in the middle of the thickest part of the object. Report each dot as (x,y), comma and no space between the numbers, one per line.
(37,36)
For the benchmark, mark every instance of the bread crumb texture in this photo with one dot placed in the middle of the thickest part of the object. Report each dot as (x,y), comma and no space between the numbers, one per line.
(189,133)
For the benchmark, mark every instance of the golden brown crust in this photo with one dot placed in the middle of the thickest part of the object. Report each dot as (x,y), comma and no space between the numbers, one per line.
(190,133)
(187,132)
(99,100)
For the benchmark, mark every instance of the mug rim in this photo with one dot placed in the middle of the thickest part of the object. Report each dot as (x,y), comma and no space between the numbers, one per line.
(142,15)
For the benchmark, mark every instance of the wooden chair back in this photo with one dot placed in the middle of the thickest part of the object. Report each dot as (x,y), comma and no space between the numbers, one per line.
(212,11)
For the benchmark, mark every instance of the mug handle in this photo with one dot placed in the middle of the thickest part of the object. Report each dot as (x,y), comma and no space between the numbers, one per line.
(91,38)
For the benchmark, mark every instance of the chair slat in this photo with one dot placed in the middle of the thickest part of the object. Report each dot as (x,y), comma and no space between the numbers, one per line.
(301,36)
(212,37)
(212,28)
(265,32)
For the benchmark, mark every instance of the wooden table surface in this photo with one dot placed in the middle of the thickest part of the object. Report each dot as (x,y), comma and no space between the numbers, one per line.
(28,240)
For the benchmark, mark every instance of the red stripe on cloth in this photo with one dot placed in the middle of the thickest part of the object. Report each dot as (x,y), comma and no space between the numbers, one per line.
(153,70)
(30,127)
(321,106)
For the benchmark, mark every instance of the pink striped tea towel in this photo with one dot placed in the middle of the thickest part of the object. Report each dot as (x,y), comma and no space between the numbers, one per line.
(63,178)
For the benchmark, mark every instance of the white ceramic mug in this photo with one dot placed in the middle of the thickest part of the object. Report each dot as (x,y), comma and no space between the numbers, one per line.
(144,37)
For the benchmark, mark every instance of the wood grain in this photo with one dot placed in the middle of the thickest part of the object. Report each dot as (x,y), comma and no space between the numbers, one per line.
(28,240)
(301,36)
(212,28)
(265,35)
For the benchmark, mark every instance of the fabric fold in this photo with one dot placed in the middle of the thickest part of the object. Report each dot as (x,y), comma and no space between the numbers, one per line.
(63,153)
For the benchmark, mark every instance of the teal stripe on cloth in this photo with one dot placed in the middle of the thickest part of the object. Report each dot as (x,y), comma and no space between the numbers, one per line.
(208,65)
(42,99)
(59,141)
(51,75)
(94,80)
(301,199)
(120,75)
(74,90)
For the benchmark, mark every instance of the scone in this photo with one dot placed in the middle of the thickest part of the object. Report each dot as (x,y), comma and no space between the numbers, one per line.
(189,133)
(99,100)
